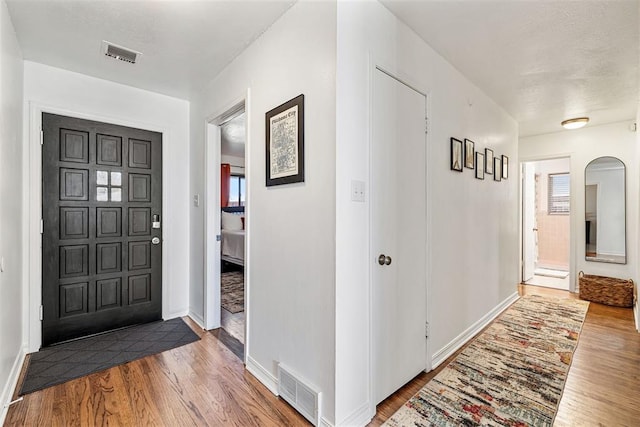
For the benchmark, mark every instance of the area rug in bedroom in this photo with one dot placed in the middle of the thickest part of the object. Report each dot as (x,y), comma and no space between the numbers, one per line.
(232,291)
(74,359)
(512,374)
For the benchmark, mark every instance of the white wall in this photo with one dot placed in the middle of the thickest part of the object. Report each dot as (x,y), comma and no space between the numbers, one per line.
(472,223)
(290,228)
(584,145)
(11,212)
(72,94)
(237,163)
(637,204)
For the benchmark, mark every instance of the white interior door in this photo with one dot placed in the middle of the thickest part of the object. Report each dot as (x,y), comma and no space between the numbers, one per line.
(528,221)
(398,234)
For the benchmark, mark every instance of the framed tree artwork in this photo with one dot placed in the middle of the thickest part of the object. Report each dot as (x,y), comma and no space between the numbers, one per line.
(469,160)
(285,143)
(505,167)
(479,165)
(497,175)
(488,161)
(456,155)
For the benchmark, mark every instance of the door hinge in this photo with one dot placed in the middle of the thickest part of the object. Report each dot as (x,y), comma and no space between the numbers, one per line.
(41,226)
(426,329)
(426,125)
(41,313)
(41,137)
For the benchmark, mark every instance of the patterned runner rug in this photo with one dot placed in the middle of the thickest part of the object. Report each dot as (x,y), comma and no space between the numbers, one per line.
(512,374)
(232,291)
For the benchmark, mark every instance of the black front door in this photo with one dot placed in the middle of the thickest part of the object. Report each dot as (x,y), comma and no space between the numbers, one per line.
(102,242)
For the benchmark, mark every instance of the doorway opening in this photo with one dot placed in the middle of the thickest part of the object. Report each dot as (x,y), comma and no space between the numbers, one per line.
(546,224)
(226,219)
(232,229)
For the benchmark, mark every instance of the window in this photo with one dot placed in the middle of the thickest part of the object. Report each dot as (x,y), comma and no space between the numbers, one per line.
(558,194)
(237,190)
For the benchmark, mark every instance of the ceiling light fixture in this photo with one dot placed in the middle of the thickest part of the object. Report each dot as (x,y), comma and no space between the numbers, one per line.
(576,123)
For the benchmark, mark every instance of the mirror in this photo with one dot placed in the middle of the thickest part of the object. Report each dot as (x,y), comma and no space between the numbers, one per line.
(605,211)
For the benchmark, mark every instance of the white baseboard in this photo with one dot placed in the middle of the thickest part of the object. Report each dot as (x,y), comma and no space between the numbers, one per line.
(264,376)
(360,417)
(11,384)
(443,354)
(198,319)
(325,423)
(174,314)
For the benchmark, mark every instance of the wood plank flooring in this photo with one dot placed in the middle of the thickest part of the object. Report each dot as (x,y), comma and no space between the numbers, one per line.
(603,386)
(202,383)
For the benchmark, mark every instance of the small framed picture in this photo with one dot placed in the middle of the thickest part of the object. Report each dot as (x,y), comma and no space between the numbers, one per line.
(468,153)
(488,160)
(456,155)
(285,143)
(496,169)
(505,167)
(479,165)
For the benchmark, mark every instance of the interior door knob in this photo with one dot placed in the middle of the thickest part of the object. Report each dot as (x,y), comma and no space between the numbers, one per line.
(384,260)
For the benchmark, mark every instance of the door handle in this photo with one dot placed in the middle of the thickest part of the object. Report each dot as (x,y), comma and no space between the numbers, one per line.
(155,240)
(384,260)
(535,229)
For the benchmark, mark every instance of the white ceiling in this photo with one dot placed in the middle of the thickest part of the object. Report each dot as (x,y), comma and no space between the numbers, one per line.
(184,44)
(232,136)
(542,61)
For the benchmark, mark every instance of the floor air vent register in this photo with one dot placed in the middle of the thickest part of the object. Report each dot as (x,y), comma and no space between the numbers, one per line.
(303,397)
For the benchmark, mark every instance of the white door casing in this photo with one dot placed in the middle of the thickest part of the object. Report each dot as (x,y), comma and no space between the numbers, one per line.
(528,220)
(398,231)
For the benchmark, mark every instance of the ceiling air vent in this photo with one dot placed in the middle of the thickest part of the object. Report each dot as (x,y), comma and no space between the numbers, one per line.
(119,52)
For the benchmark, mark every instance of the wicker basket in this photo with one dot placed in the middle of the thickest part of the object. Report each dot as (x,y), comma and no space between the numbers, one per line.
(606,290)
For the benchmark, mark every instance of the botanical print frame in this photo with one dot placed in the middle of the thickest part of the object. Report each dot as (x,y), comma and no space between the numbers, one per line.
(285,143)
(456,155)
(488,160)
(505,167)
(497,175)
(479,165)
(468,154)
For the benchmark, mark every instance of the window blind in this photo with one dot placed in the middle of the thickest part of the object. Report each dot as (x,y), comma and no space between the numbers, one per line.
(558,193)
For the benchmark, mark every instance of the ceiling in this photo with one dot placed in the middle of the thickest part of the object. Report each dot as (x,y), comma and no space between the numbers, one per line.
(542,61)
(183,43)
(232,136)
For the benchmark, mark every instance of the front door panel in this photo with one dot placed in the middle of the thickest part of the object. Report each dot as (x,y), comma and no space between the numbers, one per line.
(102,185)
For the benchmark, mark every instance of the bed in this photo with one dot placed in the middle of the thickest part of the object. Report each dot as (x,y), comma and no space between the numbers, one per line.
(232,232)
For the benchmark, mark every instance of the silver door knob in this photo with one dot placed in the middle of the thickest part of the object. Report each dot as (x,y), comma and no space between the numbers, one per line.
(384,260)
(155,240)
